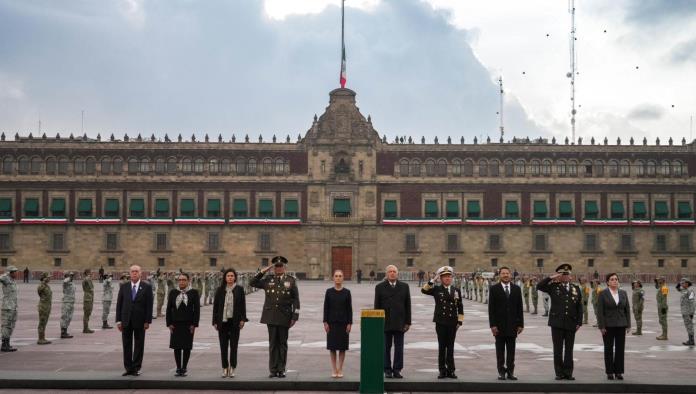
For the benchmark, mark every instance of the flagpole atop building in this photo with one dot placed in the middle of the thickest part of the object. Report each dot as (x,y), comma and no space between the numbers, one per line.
(342,77)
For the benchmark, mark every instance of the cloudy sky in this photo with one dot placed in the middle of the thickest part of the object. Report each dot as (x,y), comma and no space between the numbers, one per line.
(420,67)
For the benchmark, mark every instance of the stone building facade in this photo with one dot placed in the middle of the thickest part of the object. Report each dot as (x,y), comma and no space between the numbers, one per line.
(342,197)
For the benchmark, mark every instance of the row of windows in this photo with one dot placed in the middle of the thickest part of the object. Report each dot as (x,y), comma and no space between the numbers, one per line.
(162,208)
(540,209)
(546,167)
(540,243)
(133,166)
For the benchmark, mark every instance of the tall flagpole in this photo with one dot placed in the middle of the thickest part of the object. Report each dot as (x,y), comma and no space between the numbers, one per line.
(342,77)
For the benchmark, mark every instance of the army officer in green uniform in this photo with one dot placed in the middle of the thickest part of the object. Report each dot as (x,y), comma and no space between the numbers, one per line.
(281,309)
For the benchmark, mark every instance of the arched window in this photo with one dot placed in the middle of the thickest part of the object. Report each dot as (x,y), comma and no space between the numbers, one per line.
(133,166)
(441,169)
(213,166)
(403,167)
(160,166)
(665,169)
(105,167)
(494,168)
(267,166)
(36,165)
(561,168)
(79,166)
(8,165)
(186,166)
(251,169)
(546,167)
(91,166)
(63,166)
(573,168)
(23,167)
(483,167)
(468,169)
(279,166)
(588,168)
(198,166)
(225,166)
(509,168)
(519,167)
(456,167)
(599,168)
(144,165)
(625,168)
(677,168)
(415,167)
(613,168)
(536,167)
(171,165)
(241,166)
(640,168)
(651,168)
(430,167)
(51,166)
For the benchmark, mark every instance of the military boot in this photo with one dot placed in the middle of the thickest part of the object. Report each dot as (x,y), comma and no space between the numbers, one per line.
(105,325)
(64,333)
(86,330)
(662,337)
(6,346)
(638,331)
(690,342)
(42,339)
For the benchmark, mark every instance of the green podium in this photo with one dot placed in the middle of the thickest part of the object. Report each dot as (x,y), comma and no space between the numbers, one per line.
(372,351)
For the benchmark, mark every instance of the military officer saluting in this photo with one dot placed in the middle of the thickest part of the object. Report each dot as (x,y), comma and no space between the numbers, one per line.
(448,317)
(565,318)
(281,309)
(9,307)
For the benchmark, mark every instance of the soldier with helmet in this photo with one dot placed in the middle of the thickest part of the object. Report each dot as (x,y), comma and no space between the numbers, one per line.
(662,307)
(66,311)
(281,309)
(688,307)
(107,297)
(9,307)
(44,307)
(87,300)
(637,303)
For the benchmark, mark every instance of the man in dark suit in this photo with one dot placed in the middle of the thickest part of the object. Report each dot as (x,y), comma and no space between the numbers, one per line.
(448,317)
(507,321)
(281,310)
(394,297)
(134,316)
(565,318)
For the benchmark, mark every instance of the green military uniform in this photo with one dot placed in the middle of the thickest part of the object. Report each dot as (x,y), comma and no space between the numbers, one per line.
(486,290)
(107,296)
(161,293)
(197,285)
(525,294)
(66,310)
(687,303)
(44,307)
(638,302)
(585,290)
(281,308)
(595,299)
(662,308)
(87,302)
(535,295)
(480,289)
(9,307)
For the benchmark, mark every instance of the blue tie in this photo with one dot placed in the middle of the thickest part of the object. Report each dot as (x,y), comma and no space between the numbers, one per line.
(134,292)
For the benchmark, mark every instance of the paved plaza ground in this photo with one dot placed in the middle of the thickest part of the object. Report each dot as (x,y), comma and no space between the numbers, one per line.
(99,356)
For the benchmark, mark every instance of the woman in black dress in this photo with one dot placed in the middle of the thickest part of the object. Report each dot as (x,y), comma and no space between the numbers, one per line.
(338,319)
(183,313)
(229,315)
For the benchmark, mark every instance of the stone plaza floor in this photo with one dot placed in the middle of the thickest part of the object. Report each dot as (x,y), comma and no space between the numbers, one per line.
(99,356)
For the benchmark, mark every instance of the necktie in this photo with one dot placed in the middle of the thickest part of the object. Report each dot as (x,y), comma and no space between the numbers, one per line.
(451,291)
(134,292)
(507,291)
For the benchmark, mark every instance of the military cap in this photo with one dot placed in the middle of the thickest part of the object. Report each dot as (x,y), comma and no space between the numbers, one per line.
(44,275)
(564,269)
(444,270)
(12,268)
(686,280)
(637,281)
(279,261)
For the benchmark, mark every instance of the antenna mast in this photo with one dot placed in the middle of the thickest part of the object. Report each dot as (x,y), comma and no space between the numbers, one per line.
(573,65)
(502,128)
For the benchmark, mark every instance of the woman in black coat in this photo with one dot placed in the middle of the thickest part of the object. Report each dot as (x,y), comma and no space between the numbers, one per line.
(183,313)
(338,320)
(614,321)
(229,315)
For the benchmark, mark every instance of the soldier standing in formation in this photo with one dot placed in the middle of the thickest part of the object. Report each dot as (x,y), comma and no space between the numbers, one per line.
(161,292)
(546,300)
(688,306)
(66,311)
(535,294)
(597,288)
(585,289)
(107,296)
(662,307)
(448,317)
(638,301)
(565,319)
(9,307)
(281,310)
(45,298)
(525,293)
(87,301)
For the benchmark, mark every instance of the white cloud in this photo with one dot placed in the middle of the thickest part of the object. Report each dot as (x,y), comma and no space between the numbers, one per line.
(281,9)
(11,88)
(133,11)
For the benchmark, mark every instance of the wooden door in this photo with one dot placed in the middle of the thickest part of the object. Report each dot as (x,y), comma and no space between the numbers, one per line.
(342,259)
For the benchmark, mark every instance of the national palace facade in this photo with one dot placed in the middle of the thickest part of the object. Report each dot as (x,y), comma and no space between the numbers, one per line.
(341,196)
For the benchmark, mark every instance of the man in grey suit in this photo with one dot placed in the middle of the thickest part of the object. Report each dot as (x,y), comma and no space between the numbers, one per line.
(394,297)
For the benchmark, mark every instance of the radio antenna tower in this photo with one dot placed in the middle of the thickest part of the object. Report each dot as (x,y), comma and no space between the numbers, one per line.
(573,65)
(502,128)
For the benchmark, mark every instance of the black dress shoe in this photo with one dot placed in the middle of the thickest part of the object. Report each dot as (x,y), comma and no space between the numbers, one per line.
(126,373)
(510,376)
(619,376)
(177,373)
(280,374)
(135,373)
(501,376)
(452,375)
(560,377)
(442,375)
(569,377)
(183,371)
(397,375)
(388,374)
(272,374)
(610,376)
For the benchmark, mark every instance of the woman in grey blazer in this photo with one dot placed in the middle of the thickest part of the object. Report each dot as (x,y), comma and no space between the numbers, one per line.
(613,320)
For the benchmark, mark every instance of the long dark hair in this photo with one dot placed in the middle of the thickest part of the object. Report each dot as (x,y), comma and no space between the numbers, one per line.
(223,283)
